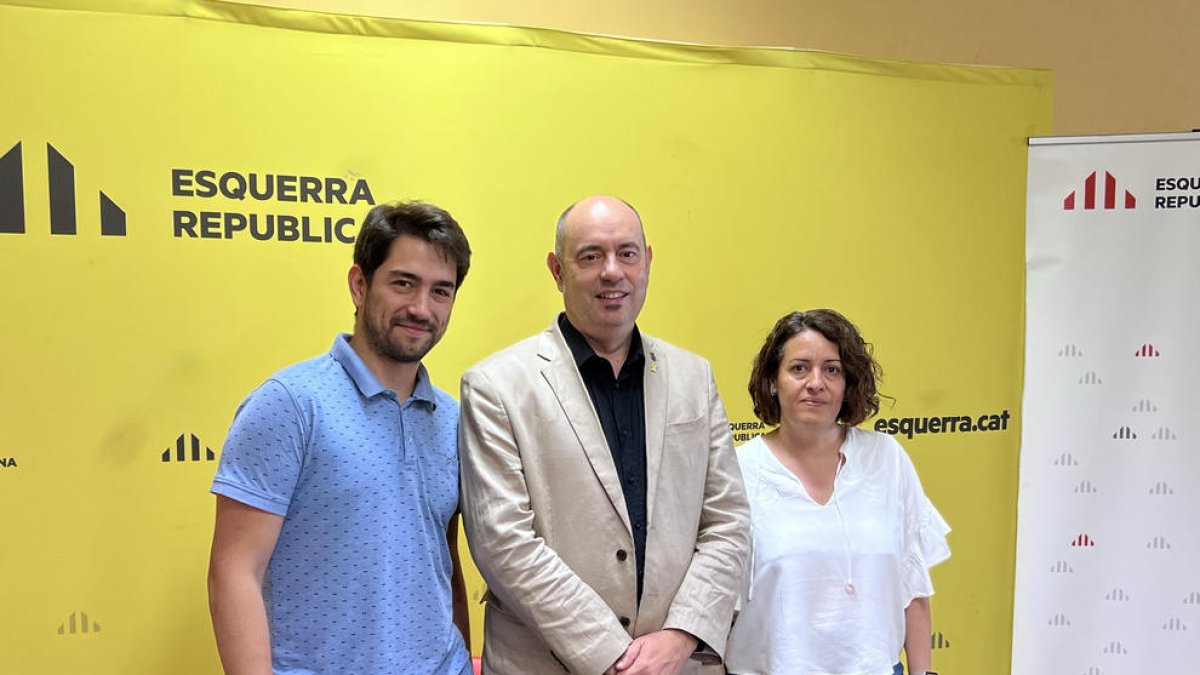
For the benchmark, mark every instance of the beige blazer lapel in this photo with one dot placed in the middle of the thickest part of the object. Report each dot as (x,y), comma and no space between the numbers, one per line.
(654,388)
(567,385)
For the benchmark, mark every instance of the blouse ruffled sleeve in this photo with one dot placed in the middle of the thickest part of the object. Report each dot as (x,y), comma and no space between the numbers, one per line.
(924,536)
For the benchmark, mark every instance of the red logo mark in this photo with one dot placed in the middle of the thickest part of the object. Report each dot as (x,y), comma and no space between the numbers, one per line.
(1089,194)
(1083,540)
(1147,350)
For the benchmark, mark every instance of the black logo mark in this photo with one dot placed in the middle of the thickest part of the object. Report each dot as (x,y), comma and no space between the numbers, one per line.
(61,178)
(181,450)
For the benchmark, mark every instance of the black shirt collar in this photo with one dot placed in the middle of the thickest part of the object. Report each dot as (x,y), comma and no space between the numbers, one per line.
(583,352)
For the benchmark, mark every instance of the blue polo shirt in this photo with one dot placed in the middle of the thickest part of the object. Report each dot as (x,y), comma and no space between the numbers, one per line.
(359,582)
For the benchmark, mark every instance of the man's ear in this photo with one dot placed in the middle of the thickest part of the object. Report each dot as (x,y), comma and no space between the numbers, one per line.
(357,281)
(555,267)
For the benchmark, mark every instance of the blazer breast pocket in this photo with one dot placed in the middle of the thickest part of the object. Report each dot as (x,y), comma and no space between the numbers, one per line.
(687,443)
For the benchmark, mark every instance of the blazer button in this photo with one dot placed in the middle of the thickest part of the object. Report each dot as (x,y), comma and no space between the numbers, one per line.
(625,622)
(622,555)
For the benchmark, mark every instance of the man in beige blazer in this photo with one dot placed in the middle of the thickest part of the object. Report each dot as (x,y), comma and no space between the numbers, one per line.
(601,498)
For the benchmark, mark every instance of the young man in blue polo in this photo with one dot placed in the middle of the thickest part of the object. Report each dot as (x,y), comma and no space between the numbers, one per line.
(334,546)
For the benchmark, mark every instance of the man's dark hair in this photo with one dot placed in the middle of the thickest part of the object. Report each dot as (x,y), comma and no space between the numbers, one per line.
(414,219)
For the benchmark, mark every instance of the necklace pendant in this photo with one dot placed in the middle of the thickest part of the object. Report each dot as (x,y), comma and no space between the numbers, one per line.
(850,590)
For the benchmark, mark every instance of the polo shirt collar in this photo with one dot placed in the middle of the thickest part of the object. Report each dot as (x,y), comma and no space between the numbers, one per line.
(366,381)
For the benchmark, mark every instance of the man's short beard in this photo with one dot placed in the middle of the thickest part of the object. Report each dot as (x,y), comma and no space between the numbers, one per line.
(382,344)
(380,340)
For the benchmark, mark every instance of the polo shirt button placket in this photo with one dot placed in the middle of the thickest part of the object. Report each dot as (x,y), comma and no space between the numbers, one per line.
(403,437)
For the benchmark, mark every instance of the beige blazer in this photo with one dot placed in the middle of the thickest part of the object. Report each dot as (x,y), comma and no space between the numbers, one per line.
(546,521)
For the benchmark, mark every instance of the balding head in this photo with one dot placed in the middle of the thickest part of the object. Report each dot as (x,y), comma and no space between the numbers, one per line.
(607,206)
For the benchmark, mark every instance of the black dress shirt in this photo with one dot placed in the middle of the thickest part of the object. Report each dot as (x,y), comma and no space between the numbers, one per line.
(620,403)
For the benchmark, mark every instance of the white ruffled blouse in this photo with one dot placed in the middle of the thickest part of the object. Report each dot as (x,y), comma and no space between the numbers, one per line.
(829,583)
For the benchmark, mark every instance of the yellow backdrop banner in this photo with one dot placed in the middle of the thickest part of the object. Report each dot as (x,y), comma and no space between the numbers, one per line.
(180,187)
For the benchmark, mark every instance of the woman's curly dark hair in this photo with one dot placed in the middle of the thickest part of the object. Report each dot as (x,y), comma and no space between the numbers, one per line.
(861,399)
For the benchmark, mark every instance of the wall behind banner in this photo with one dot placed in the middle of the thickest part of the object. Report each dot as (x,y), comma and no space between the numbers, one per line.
(1118,66)
(769,180)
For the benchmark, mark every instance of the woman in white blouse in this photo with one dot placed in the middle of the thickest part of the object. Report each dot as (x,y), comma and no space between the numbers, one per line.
(843,535)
